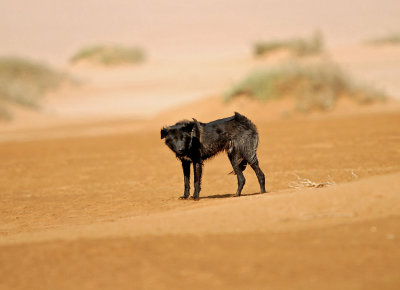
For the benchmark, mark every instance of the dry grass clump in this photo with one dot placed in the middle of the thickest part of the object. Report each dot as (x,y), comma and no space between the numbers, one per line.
(24,82)
(305,182)
(313,86)
(109,55)
(390,39)
(298,47)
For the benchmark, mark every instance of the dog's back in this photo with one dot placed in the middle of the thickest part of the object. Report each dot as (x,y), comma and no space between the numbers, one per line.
(235,133)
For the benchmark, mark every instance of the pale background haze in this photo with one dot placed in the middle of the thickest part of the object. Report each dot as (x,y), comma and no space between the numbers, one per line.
(53,30)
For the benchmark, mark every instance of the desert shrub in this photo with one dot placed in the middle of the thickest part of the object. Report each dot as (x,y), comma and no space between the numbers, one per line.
(23,82)
(298,46)
(108,55)
(390,39)
(312,85)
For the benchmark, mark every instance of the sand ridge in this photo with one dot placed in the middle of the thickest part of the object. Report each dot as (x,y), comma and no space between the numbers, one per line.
(282,211)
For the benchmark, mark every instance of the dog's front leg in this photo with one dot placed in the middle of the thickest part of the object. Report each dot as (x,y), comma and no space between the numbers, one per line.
(186,178)
(197,167)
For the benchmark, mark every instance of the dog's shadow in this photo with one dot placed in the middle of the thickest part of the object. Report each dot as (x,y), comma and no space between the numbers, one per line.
(230,195)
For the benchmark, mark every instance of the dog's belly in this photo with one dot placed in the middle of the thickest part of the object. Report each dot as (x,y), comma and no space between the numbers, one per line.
(210,149)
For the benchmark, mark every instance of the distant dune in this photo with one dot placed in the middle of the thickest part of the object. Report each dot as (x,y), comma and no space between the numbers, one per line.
(53,31)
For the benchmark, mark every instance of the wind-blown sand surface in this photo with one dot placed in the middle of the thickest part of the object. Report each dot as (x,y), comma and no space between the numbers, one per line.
(102,211)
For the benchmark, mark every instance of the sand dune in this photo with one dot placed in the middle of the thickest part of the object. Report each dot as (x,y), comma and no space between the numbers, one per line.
(152,89)
(89,192)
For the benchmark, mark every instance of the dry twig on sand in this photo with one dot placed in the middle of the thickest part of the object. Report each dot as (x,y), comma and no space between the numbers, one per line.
(355,176)
(305,182)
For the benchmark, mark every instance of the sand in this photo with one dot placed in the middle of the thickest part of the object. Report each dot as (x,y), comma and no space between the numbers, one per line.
(102,211)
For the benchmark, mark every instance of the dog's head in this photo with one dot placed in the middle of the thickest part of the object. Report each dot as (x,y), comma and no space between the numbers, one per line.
(179,137)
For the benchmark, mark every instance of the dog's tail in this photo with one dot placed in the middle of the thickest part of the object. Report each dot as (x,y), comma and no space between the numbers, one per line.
(242,166)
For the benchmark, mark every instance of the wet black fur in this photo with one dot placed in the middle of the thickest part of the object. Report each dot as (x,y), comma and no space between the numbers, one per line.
(195,142)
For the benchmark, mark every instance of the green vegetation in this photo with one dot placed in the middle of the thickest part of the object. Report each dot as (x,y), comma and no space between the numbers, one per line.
(299,46)
(313,86)
(109,55)
(391,39)
(24,82)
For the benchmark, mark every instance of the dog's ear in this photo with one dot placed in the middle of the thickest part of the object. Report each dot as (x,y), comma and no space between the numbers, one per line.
(164,133)
(196,129)
(195,135)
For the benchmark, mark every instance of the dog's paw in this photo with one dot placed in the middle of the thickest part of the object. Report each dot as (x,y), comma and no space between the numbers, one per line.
(196,198)
(184,197)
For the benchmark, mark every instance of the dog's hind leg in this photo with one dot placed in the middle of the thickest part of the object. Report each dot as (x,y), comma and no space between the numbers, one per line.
(259,173)
(236,164)
(243,164)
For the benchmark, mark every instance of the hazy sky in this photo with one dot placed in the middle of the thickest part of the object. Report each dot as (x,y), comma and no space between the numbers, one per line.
(53,30)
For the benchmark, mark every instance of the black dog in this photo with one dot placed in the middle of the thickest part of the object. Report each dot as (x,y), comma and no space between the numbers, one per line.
(194,142)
